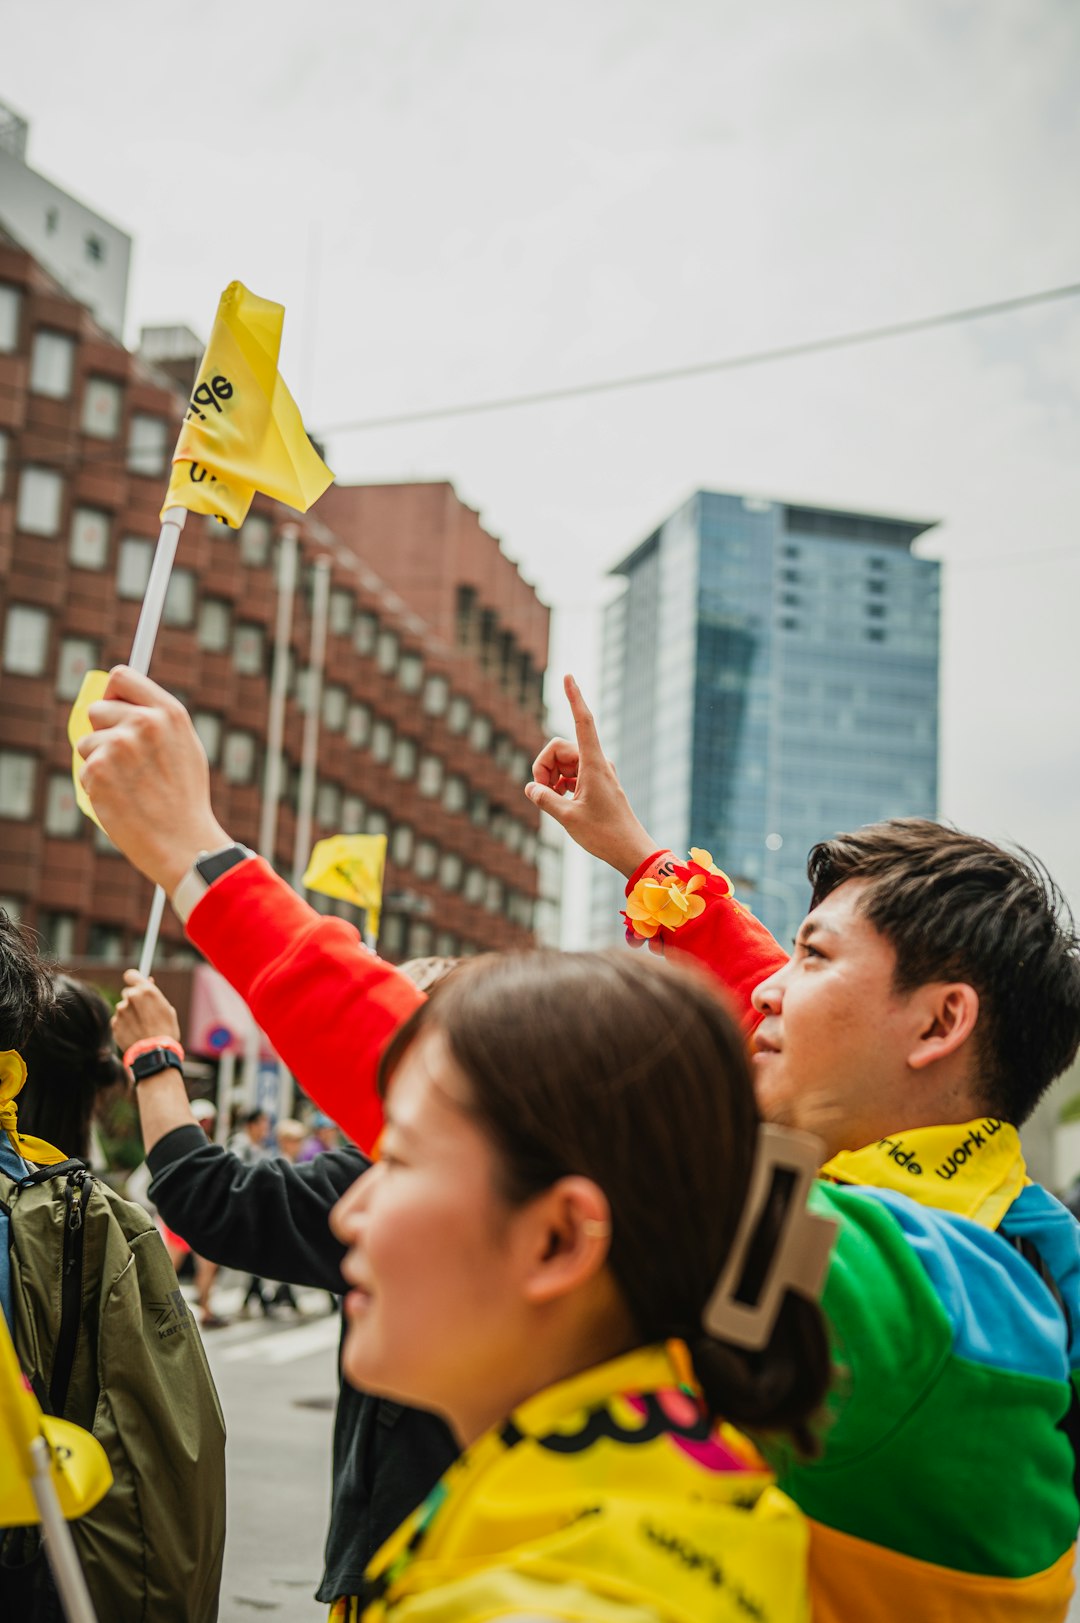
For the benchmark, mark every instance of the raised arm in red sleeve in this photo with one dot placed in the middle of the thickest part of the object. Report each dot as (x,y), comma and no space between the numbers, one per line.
(326,1003)
(705,921)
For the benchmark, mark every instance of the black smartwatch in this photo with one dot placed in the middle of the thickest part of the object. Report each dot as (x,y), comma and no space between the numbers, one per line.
(157,1059)
(208,866)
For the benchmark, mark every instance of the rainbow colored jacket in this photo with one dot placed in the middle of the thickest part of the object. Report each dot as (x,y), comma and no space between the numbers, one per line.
(944,1492)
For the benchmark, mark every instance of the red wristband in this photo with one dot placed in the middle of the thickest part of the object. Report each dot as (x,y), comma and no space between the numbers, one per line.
(146,1044)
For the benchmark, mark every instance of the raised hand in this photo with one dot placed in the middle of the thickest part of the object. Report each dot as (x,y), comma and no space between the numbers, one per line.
(147,777)
(143,1011)
(575,783)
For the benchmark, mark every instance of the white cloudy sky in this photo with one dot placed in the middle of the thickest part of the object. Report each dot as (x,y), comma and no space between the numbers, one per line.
(458,198)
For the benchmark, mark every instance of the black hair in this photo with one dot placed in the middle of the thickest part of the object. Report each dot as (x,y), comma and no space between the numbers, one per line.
(70,1058)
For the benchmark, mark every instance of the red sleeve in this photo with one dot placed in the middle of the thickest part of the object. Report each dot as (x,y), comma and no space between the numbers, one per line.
(725,937)
(326,1003)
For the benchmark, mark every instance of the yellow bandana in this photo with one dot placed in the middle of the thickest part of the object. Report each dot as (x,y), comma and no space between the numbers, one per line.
(12,1077)
(975,1169)
(607,1497)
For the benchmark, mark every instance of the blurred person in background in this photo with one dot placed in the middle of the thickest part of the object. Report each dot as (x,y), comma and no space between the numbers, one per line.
(324,1136)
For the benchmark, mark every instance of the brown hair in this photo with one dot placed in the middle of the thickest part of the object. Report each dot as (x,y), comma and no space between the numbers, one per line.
(636,1076)
(958,908)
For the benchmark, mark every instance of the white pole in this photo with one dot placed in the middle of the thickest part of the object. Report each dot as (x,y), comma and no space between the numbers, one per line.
(142,649)
(59,1544)
(275,728)
(320,606)
(225,1092)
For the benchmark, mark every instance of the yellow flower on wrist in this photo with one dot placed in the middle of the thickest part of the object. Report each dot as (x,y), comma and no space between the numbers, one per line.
(654,903)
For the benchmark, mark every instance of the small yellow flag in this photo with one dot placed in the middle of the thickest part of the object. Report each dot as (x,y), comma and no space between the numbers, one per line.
(350,866)
(242,431)
(80,1466)
(91,690)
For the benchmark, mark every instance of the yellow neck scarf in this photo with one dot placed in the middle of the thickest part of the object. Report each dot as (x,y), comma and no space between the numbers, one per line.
(975,1169)
(12,1077)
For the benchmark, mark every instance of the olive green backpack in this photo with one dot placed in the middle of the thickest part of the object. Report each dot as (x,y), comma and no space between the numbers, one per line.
(105,1336)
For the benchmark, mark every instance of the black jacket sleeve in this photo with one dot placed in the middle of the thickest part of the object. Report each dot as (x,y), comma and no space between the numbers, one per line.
(270,1218)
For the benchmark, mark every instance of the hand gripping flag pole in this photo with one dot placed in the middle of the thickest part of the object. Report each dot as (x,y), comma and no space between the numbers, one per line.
(241,433)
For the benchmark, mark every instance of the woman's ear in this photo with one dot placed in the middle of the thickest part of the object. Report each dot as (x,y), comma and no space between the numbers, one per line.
(568,1238)
(948,1020)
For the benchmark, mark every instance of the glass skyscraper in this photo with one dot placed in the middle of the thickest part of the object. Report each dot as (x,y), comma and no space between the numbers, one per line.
(770,677)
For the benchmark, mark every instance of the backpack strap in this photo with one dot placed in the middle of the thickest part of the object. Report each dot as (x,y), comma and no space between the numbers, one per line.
(1070,1421)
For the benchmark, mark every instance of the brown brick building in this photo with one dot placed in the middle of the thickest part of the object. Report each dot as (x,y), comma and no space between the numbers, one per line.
(431,707)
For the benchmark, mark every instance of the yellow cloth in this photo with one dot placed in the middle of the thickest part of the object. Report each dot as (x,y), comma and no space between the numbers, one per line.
(242,431)
(350,866)
(12,1077)
(92,688)
(80,1468)
(975,1169)
(605,1498)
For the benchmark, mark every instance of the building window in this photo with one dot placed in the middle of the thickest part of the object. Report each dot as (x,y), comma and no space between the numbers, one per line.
(88,544)
(451,868)
(392,935)
(475,884)
(255,540)
(436,695)
(148,444)
(133,567)
(10,311)
(52,364)
(479,810)
(358,725)
(455,793)
(466,615)
(26,640)
(214,631)
(493,895)
(446,944)
(335,702)
(418,939)
(180,598)
(12,906)
(377,823)
(102,408)
(458,715)
(328,805)
(411,673)
(427,860)
(513,834)
(520,768)
(382,741)
(386,652)
(62,815)
(875,634)
(102,842)
(365,633)
(208,727)
(239,757)
(404,758)
(77,656)
(401,845)
(106,943)
(352,814)
(877,563)
(5,442)
(430,778)
(341,612)
(528,847)
(18,773)
(41,497)
(875,611)
(249,649)
(58,932)
(480,733)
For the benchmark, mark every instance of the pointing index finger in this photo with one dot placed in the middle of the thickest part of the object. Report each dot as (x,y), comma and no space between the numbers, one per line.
(584,725)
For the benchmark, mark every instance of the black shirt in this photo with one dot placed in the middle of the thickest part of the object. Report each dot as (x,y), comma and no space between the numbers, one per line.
(271,1219)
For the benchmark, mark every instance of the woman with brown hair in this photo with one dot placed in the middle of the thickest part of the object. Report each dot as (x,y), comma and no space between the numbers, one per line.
(581,1248)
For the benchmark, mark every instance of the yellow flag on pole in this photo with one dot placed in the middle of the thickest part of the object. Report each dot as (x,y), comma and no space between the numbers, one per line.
(91,689)
(242,431)
(350,866)
(80,1467)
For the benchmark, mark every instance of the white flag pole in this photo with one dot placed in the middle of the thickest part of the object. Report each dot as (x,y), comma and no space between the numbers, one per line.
(59,1544)
(142,649)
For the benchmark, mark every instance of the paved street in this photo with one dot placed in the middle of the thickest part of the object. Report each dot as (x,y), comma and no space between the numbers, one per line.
(277,1380)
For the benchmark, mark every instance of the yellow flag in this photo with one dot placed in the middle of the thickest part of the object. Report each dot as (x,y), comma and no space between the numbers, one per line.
(12,1077)
(350,866)
(80,1466)
(242,431)
(90,691)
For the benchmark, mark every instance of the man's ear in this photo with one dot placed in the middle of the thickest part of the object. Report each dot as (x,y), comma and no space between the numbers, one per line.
(948,1014)
(569,1237)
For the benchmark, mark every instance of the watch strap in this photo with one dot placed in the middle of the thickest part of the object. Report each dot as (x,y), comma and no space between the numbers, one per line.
(207,867)
(155,1061)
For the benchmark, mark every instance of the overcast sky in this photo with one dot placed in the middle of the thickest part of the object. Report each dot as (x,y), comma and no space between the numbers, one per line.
(460,198)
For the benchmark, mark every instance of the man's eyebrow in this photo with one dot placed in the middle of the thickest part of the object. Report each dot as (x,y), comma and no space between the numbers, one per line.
(811,927)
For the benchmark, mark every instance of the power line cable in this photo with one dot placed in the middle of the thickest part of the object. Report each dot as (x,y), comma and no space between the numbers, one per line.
(726,363)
